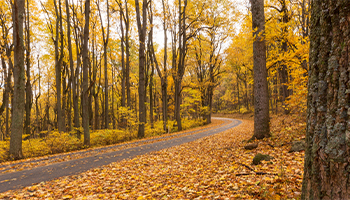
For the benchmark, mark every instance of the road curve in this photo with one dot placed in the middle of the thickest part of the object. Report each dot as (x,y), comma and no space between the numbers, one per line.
(19,179)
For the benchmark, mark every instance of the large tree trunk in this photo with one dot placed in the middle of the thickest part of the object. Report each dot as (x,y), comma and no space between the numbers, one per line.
(85,95)
(261,95)
(326,168)
(142,27)
(19,79)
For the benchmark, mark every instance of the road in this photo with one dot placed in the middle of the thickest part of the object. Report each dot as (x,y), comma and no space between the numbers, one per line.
(19,179)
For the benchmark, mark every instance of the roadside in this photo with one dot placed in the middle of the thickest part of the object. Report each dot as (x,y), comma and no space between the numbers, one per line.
(25,164)
(24,178)
(214,167)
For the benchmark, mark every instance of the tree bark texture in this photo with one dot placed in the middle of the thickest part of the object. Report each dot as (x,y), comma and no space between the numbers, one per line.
(19,80)
(85,107)
(142,27)
(261,95)
(327,156)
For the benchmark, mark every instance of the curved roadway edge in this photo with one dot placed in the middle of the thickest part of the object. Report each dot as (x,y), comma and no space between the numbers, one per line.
(17,180)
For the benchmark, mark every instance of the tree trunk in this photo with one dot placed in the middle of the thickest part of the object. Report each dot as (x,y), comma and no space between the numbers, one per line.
(261,95)
(127,54)
(112,109)
(105,37)
(94,88)
(164,78)
(71,65)
(181,64)
(10,91)
(142,27)
(38,121)
(75,75)
(85,95)
(122,59)
(58,64)
(19,79)
(28,105)
(326,168)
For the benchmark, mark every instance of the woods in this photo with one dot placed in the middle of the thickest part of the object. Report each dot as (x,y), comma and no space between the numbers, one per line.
(82,74)
(94,65)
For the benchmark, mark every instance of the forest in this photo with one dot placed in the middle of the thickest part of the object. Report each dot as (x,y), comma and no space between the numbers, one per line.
(76,75)
(145,64)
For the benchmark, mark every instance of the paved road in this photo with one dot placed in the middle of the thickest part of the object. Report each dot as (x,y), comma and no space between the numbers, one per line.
(16,180)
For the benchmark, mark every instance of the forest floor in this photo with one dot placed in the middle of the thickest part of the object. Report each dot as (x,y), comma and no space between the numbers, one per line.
(25,164)
(214,167)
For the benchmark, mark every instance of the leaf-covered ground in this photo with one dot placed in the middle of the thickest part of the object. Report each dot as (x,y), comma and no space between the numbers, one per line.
(12,166)
(216,167)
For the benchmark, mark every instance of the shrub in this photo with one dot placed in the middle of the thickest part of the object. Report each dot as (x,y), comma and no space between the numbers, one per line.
(107,137)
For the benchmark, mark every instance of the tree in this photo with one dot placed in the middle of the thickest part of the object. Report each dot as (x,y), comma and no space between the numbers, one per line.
(29,96)
(19,79)
(71,65)
(261,95)
(142,27)
(85,95)
(6,47)
(180,71)
(326,167)
(105,43)
(58,65)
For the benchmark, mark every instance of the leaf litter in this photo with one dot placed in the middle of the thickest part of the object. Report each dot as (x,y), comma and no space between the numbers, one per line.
(215,167)
(25,164)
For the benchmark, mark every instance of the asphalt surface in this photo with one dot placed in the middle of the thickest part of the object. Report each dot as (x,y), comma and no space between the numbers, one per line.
(20,179)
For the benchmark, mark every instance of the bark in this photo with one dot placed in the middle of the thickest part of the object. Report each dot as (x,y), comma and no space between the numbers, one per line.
(58,64)
(164,77)
(326,167)
(127,54)
(181,63)
(142,27)
(150,48)
(19,80)
(28,106)
(113,115)
(261,100)
(62,126)
(71,65)
(85,95)
(283,70)
(122,58)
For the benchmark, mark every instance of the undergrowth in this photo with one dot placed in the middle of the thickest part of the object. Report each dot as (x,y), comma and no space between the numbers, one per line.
(56,142)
